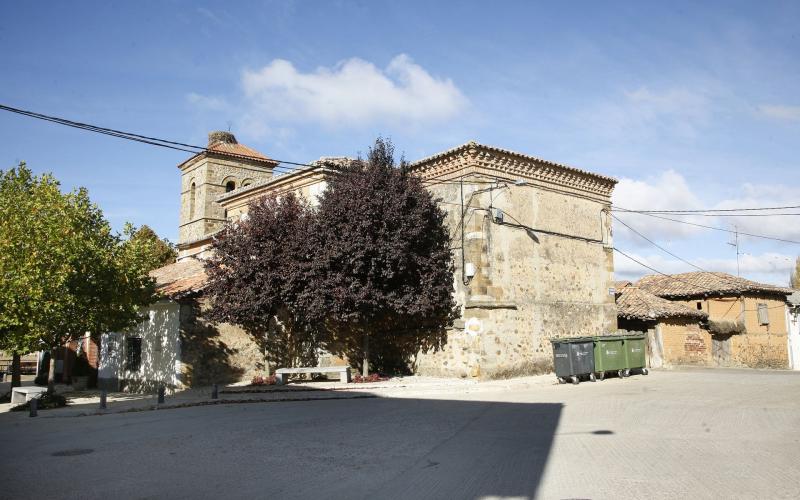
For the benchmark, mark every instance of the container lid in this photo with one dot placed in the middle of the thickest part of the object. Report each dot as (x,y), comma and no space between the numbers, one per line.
(570,340)
(620,337)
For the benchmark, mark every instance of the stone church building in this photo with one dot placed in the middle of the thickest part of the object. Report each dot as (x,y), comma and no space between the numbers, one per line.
(531,244)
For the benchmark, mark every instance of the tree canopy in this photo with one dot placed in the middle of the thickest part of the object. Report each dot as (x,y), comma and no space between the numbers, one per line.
(260,277)
(367,273)
(383,252)
(156,251)
(794,278)
(65,272)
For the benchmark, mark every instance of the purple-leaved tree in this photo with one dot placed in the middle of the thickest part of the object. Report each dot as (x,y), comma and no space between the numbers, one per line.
(259,278)
(367,274)
(383,272)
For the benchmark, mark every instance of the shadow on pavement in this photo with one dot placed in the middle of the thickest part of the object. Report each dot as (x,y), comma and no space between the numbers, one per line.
(365,448)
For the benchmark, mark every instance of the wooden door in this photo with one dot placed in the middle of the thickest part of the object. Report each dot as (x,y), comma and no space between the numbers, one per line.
(721,350)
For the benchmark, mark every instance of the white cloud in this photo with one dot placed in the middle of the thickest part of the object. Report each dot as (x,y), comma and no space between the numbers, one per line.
(765,195)
(645,113)
(668,191)
(789,113)
(208,103)
(353,93)
(770,267)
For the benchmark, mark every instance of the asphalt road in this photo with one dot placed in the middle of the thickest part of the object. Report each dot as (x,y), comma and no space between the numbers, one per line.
(687,434)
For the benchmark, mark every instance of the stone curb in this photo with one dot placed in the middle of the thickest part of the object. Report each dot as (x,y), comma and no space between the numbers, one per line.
(208,402)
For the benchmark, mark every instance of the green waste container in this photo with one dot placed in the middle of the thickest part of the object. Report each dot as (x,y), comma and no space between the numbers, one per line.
(636,353)
(573,358)
(609,355)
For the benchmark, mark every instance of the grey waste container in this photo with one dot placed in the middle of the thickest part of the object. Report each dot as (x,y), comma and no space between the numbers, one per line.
(573,358)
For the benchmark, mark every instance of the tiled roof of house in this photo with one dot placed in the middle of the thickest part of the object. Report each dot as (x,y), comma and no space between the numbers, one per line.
(635,303)
(702,283)
(180,279)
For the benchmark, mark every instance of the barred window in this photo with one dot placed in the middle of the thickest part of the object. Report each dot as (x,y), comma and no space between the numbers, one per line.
(133,353)
(763,314)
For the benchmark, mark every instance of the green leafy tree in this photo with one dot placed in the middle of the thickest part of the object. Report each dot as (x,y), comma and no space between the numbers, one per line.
(34,269)
(66,272)
(794,278)
(156,251)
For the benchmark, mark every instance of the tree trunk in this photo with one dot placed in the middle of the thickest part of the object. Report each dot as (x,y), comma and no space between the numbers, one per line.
(365,362)
(51,373)
(16,370)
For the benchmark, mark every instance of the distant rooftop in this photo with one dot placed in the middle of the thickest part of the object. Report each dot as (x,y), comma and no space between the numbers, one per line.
(635,303)
(225,143)
(704,283)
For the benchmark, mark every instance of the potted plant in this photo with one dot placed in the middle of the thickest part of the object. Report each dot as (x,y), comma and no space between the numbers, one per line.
(80,373)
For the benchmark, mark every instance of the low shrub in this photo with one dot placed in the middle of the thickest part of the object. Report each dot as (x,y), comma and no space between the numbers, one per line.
(372,377)
(261,380)
(725,327)
(46,402)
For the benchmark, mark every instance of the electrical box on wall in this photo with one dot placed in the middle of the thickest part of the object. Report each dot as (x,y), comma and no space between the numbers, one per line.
(497,215)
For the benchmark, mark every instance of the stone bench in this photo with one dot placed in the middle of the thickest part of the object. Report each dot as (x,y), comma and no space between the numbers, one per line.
(282,374)
(21,395)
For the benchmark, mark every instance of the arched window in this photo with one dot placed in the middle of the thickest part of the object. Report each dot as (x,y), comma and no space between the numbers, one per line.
(191,201)
(247,182)
(230,186)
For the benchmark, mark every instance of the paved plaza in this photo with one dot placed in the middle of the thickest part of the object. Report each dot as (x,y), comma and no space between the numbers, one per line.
(672,434)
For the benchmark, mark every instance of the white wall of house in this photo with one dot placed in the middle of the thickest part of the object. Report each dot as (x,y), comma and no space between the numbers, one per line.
(158,352)
(793,324)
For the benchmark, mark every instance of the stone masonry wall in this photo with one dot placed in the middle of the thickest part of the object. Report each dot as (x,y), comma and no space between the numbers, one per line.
(209,175)
(528,287)
(215,353)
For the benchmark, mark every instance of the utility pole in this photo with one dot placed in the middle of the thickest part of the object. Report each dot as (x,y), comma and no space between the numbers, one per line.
(736,244)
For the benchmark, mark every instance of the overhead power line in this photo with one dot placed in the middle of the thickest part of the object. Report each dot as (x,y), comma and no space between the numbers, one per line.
(713,210)
(656,244)
(194,149)
(722,229)
(165,143)
(660,272)
(667,251)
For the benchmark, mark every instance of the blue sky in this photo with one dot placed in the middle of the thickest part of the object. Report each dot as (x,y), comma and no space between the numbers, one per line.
(691,106)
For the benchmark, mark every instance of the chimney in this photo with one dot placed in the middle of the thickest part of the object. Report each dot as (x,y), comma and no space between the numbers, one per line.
(220,136)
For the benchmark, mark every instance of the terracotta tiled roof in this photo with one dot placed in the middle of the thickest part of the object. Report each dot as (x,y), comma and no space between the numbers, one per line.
(236,149)
(181,278)
(229,147)
(704,283)
(635,303)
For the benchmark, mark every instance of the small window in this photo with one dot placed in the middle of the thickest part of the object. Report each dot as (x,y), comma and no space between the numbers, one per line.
(763,314)
(192,191)
(699,306)
(230,186)
(133,353)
